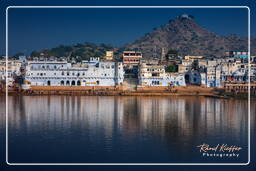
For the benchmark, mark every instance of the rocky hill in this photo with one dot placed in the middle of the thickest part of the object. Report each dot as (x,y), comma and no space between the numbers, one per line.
(189,38)
(181,34)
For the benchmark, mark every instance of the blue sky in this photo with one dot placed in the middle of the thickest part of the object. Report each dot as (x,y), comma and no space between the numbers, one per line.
(35,29)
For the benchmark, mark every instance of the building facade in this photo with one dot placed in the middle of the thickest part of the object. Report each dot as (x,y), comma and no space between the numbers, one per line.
(155,75)
(62,73)
(12,70)
(131,58)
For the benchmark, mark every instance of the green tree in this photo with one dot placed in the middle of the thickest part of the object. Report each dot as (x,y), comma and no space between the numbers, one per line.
(34,53)
(16,56)
(172,53)
(171,68)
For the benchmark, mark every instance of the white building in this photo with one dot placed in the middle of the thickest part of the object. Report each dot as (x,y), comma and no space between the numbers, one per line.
(155,75)
(12,70)
(62,73)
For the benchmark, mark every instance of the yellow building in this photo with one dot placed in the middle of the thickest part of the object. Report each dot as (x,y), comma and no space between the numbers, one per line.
(193,57)
(13,69)
(109,55)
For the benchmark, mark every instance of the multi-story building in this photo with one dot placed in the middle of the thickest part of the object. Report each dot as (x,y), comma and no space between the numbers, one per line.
(62,73)
(236,71)
(131,58)
(12,70)
(237,54)
(109,55)
(185,66)
(155,75)
(213,78)
(200,71)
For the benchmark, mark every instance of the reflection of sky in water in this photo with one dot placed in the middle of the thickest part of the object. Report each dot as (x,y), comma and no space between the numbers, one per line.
(124,129)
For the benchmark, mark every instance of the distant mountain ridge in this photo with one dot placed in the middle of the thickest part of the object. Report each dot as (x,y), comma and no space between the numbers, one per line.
(186,36)
(80,51)
(182,34)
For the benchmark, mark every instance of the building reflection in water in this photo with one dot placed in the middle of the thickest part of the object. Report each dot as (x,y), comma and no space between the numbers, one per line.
(174,120)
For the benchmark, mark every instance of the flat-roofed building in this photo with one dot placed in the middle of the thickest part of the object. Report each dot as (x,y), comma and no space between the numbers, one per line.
(131,58)
(185,66)
(11,71)
(63,73)
(155,75)
(193,57)
(109,55)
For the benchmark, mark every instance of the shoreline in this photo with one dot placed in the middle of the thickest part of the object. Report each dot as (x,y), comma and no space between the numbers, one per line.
(124,91)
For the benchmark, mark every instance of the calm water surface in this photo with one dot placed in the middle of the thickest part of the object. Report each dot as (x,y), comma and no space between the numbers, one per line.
(88,129)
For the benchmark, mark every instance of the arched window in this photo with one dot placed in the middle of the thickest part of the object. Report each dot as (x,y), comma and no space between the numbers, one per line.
(98,82)
(78,83)
(62,82)
(73,83)
(48,82)
(67,83)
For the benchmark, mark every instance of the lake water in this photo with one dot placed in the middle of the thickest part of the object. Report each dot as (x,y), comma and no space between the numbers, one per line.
(91,129)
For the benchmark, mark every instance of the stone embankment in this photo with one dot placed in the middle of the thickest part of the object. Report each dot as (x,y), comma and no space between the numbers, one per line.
(118,90)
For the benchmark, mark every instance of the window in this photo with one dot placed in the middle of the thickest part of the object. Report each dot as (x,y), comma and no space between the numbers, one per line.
(73,83)
(155,74)
(155,82)
(78,82)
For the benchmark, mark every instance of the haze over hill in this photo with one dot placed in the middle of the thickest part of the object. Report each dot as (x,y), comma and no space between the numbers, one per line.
(182,34)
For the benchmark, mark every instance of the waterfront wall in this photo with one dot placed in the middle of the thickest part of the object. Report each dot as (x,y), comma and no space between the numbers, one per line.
(240,88)
(229,90)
